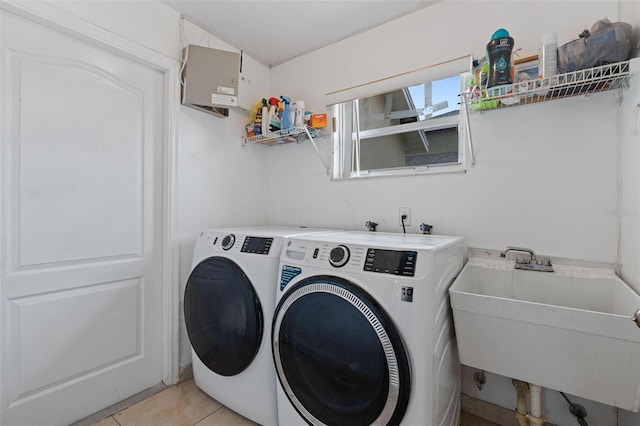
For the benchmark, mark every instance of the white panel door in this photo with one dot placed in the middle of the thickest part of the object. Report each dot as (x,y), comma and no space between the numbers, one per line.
(81,231)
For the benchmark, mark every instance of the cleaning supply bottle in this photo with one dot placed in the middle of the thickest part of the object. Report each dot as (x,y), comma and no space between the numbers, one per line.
(265,117)
(286,113)
(548,55)
(274,121)
(298,108)
(499,51)
(257,123)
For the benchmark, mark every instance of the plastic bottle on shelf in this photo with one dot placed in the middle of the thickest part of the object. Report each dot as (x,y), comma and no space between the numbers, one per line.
(286,113)
(265,117)
(548,55)
(274,121)
(298,108)
(499,51)
(257,123)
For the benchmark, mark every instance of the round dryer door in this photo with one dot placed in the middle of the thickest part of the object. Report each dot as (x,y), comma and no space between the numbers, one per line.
(338,356)
(223,316)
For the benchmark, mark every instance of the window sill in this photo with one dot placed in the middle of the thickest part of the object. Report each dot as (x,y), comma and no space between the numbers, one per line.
(406,171)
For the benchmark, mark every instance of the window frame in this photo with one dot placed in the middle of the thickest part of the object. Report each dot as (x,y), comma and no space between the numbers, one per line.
(345,150)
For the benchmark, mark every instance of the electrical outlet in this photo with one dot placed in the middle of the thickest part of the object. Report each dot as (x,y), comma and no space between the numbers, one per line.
(404,211)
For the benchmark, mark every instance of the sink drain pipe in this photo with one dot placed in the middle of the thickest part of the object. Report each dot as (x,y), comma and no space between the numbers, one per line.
(532,416)
(535,411)
(522,388)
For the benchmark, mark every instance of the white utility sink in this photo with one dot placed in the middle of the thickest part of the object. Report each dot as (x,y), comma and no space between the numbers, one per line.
(570,330)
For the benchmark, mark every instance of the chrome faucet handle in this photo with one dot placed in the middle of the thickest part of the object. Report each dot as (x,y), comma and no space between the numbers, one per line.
(507,249)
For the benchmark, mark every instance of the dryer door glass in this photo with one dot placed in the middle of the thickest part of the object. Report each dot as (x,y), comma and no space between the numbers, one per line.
(223,316)
(338,356)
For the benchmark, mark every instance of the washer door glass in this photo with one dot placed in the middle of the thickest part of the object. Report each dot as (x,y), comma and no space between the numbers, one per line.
(338,356)
(223,316)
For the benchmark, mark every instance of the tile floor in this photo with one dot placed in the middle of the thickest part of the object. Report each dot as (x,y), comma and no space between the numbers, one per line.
(180,405)
(186,405)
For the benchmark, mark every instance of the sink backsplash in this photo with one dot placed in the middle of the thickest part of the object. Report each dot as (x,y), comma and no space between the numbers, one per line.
(495,254)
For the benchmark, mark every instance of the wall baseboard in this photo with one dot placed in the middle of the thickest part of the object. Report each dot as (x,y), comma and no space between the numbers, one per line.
(185,373)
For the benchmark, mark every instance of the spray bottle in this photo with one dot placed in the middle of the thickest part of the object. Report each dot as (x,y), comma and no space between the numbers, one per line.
(274,121)
(286,113)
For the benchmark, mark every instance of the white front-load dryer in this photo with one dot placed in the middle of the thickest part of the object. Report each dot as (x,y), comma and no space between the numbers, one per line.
(362,332)
(228,307)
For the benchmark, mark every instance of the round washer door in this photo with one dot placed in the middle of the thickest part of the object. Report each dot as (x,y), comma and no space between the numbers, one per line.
(223,316)
(338,356)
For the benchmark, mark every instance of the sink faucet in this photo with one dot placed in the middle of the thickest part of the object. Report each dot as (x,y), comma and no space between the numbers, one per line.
(533,264)
(503,253)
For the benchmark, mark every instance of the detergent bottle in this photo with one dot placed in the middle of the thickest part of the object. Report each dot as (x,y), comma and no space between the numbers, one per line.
(286,113)
(499,51)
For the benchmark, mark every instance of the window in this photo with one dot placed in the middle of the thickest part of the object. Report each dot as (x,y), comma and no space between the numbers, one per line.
(413,129)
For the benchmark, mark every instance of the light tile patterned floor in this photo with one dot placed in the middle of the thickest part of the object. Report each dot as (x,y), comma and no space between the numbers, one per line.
(186,405)
(180,405)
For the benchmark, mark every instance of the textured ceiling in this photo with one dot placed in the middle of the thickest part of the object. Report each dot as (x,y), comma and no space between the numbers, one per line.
(275,31)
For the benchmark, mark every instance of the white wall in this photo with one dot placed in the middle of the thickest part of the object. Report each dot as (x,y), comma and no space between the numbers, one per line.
(629,138)
(220,182)
(546,175)
(629,181)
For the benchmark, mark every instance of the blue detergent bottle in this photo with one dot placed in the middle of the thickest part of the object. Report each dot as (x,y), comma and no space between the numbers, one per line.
(286,113)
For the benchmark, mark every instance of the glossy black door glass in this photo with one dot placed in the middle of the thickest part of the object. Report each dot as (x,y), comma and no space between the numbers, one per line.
(223,316)
(333,359)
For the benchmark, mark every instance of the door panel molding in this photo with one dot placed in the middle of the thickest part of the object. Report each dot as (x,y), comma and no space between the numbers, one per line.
(34,156)
(119,302)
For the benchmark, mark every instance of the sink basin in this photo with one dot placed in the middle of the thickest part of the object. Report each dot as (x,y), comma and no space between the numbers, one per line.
(568,330)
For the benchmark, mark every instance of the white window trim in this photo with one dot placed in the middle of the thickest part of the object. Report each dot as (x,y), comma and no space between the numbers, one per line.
(399,81)
(344,151)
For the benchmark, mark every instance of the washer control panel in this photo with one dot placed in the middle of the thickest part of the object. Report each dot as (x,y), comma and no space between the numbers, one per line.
(391,262)
(256,245)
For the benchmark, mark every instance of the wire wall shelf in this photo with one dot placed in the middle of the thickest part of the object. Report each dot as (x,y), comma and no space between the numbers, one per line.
(582,82)
(295,134)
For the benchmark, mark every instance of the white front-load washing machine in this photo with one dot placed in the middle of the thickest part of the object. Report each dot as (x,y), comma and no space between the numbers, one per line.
(362,332)
(228,307)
